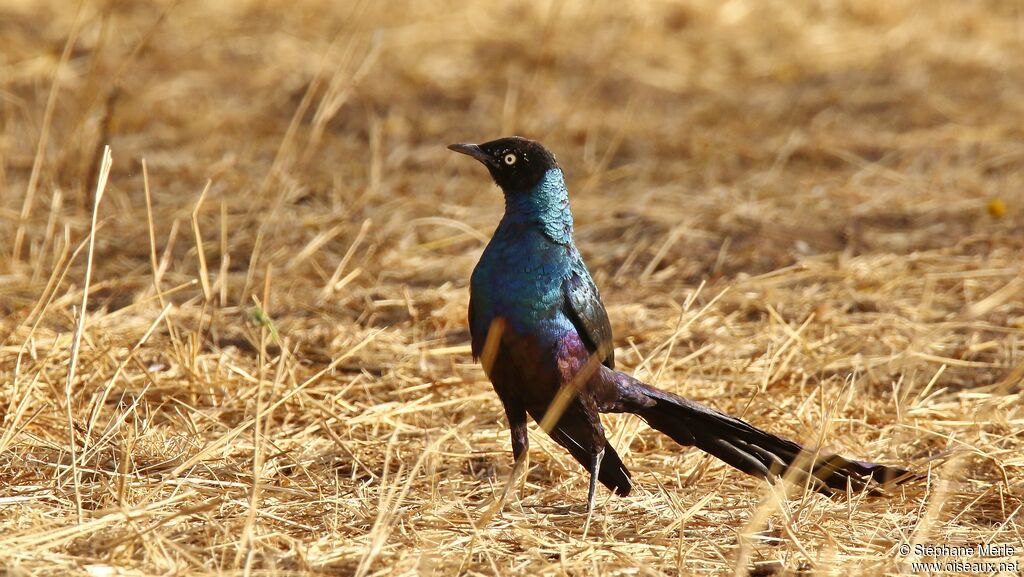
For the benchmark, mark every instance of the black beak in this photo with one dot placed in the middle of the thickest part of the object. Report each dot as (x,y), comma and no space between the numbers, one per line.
(473,150)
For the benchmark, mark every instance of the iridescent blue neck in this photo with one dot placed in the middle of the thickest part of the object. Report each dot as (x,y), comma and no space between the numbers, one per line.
(546,204)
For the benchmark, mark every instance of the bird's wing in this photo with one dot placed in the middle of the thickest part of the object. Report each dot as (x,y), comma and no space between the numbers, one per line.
(584,308)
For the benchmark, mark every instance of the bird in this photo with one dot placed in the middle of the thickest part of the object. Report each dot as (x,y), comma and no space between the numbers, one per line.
(540,330)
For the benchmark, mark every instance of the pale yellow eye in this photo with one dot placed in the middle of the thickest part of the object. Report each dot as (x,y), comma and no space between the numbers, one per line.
(510,159)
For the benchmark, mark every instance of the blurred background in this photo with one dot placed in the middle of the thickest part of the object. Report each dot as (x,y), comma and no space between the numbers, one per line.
(849,173)
(845,125)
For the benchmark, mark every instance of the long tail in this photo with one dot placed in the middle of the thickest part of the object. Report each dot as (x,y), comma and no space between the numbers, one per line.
(747,448)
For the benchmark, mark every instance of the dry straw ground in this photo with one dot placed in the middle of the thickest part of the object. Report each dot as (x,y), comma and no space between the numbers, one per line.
(273,376)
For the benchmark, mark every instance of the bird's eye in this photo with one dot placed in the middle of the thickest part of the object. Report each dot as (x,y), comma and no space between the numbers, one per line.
(510,159)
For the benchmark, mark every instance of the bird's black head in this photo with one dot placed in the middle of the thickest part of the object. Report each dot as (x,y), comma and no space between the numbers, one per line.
(515,163)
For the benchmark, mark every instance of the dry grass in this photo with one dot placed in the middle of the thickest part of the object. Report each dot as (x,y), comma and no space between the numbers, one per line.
(274,375)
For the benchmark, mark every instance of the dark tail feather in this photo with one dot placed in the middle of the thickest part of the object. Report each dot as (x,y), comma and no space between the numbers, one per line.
(752,450)
(576,432)
(614,474)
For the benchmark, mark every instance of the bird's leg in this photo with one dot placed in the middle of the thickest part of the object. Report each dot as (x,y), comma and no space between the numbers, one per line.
(520,440)
(595,466)
(516,467)
(520,450)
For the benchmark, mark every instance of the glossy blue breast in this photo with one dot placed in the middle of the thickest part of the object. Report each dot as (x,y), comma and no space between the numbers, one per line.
(520,273)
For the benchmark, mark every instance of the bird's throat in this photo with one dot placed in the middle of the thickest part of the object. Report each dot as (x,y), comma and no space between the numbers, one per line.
(545,205)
